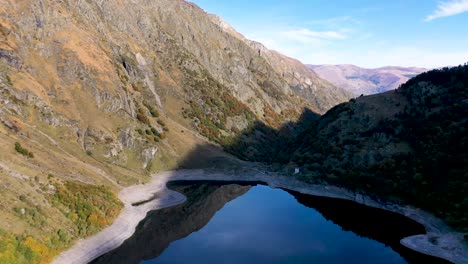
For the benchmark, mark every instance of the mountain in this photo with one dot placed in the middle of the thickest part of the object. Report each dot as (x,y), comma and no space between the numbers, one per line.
(409,145)
(366,81)
(322,94)
(96,95)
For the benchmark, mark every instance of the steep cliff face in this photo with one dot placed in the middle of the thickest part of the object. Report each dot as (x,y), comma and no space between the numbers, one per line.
(105,92)
(321,94)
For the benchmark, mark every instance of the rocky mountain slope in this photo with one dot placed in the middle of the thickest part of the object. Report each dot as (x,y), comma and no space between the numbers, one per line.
(366,81)
(95,95)
(320,93)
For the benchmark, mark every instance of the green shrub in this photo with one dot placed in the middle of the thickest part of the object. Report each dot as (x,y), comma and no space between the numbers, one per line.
(23,151)
(154,131)
(63,236)
(154,113)
(161,122)
(9,81)
(22,198)
(141,116)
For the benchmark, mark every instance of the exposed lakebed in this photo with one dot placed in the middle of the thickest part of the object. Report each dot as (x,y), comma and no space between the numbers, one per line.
(244,223)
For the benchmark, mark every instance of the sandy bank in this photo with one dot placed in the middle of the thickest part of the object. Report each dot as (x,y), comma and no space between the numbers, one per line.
(439,241)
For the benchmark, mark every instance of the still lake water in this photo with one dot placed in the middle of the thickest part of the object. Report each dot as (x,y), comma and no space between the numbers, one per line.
(257,224)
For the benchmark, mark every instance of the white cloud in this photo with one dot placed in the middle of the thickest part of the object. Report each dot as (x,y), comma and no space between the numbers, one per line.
(308,36)
(448,8)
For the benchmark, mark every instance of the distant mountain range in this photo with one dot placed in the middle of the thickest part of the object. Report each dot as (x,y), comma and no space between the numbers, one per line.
(366,81)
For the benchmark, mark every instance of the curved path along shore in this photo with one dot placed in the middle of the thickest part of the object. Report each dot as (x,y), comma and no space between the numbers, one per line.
(440,240)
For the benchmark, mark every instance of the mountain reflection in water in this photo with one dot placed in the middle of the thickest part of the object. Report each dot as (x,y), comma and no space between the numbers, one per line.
(257,224)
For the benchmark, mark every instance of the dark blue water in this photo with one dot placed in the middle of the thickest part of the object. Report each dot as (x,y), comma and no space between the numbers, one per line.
(231,223)
(269,226)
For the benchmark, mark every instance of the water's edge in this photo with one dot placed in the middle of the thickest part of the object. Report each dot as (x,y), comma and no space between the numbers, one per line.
(439,241)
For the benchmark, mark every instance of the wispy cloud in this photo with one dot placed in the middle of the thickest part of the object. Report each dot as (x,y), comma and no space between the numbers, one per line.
(308,36)
(335,22)
(448,8)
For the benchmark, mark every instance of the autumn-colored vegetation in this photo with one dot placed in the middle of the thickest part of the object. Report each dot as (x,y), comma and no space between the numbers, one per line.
(26,249)
(89,207)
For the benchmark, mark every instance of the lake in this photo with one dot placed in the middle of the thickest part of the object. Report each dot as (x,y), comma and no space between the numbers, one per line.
(241,223)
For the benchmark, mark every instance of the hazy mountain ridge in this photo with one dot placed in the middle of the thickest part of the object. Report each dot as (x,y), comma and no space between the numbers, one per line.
(366,81)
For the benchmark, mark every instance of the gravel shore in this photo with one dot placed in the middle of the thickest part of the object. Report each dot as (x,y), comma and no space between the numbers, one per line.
(439,241)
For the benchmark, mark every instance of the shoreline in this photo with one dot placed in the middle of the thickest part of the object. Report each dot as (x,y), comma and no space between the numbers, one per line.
(439,240)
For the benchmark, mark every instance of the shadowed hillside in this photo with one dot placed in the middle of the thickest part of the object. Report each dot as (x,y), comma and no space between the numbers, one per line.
(407,145)
(263,143)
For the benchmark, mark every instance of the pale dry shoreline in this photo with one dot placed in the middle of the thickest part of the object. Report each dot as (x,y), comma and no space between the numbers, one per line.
(439,241)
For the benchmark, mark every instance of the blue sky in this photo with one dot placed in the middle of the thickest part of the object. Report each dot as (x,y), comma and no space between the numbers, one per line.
(367,33)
